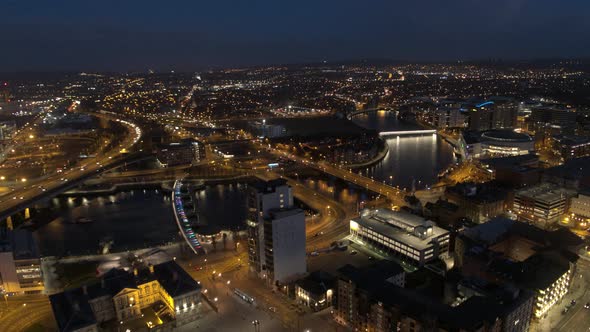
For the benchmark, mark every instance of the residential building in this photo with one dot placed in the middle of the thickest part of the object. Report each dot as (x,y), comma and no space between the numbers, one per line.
(401,234)
(163,296)
(276,232)
(263,196)
(20,263)
(284,245)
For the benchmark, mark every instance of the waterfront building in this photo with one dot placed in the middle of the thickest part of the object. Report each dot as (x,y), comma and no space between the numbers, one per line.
(160,296)
(181,153)
(401,234)
(20,264)
(264,129)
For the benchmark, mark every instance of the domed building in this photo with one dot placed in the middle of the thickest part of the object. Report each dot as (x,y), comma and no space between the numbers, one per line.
(506,142)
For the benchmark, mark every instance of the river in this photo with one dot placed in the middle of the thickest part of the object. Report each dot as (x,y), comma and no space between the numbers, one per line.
(132,219)
(410,159)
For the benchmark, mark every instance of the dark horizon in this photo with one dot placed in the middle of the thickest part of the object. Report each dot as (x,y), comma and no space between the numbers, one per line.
(532,62)
(187,36)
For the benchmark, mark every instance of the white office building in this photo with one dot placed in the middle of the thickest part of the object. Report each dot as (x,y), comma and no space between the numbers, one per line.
(284,245)
(401,234)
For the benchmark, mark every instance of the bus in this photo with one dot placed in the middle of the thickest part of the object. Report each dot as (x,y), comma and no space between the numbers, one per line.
(244,296)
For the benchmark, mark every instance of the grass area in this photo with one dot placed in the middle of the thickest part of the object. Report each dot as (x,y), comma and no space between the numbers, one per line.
(74,275)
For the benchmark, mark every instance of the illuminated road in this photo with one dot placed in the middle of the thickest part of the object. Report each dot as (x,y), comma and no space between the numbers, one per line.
(578,317)
(395,195)
(90,166)
(21,312)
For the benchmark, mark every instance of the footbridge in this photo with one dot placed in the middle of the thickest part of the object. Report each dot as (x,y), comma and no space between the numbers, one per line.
(408,132)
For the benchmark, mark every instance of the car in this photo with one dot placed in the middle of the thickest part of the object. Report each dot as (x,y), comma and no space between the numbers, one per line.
(354,252)
(315,253)
(573,303)
(371,258)
(587,305)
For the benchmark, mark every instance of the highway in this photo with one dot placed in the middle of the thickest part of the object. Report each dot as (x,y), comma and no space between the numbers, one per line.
(22,197)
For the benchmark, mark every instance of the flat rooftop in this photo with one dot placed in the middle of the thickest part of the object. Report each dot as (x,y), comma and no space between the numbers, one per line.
(545,192)
(401,226)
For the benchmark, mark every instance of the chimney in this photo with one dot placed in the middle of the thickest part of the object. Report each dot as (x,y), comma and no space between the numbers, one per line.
(151,267)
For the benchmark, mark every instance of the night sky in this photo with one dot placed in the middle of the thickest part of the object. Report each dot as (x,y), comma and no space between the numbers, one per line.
(191,35)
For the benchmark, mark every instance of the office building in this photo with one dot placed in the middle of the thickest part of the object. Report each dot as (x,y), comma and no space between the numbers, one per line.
(480,117)
(181,153)
(546,116)
(401,234)
(579,211)
(505,112)
(284,245)
(447,117)
(542,205)
(571,147)
(20,264)
(274,225)
(160,297)
(263,129)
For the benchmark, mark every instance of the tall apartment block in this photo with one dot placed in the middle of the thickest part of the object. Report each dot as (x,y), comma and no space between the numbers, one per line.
(276,232)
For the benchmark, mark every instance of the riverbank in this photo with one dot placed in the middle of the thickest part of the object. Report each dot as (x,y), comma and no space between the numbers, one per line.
(380,156)
(96,188)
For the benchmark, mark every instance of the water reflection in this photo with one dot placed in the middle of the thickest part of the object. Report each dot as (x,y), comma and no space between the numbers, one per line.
(418,158)
(134,219)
